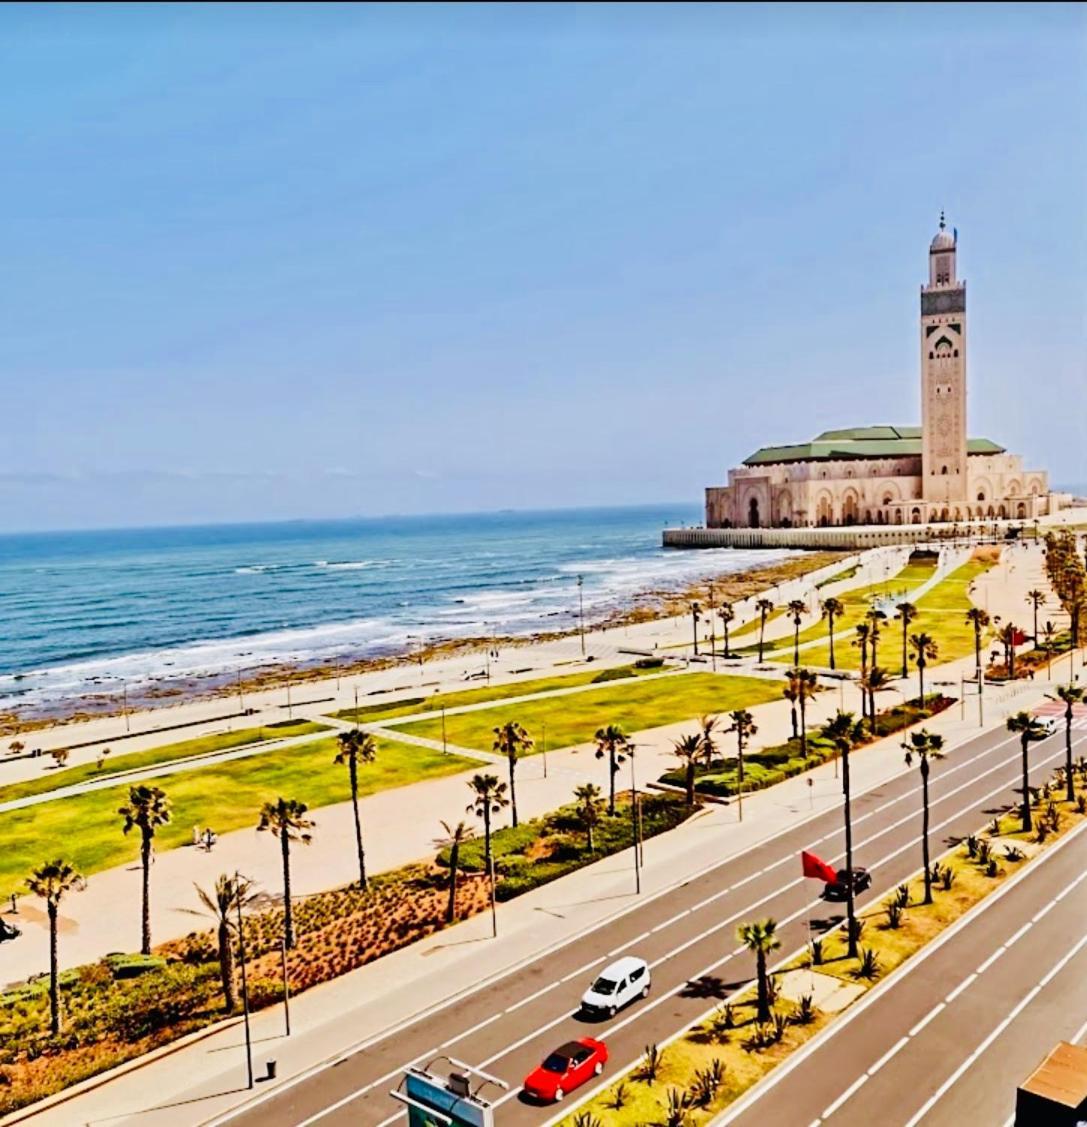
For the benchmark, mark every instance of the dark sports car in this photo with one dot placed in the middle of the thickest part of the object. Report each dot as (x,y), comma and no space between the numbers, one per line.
(839,889)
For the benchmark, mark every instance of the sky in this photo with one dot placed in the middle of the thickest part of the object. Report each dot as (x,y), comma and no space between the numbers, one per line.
(283,262)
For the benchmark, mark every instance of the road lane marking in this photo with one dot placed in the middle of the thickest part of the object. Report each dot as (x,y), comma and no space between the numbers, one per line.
(844,1096)
(927,1018)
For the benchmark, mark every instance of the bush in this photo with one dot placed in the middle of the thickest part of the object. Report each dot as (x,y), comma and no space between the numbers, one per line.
(620,674)
(649,663)
(132,966)
(869,965)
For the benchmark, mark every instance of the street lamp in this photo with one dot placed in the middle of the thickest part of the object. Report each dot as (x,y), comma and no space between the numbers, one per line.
(581,613)
(696,614)
(245,981)
(713,633)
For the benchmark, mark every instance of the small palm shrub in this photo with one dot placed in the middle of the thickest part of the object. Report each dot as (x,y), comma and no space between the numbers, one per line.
(1014,853)
(772,990)
(902,894)
(585,1119)
(856,927)
(984,852)
(947,878)
(651,1063)
(992,869)
(779,1024)
(1081,804)
(816,952)
(677,1108)
(1042,832)
(619,1097)
(994,827)
(894,915)
(972,846)
(707,1083)
(805,1011)
(868,966)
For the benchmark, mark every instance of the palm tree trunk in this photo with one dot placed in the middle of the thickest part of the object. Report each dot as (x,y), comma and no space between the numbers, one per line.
(353,769)
(513,792)
(977,653)
(924,829)
(796,644)
(145,858)
(764,994)
(725,628)
(864,676)
(762,631)
(611,780)
(921,681)
(487,834)
(54,972)
(589,835)
(690,782)
(1035,625)
(803,726)
(288,918)
(1070,790)
(905,647)
(851,925)
(792,717)
(226,966)
(830,629)
(1026,786)
(454,861)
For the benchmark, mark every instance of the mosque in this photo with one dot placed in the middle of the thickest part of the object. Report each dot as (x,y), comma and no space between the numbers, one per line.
(893,474)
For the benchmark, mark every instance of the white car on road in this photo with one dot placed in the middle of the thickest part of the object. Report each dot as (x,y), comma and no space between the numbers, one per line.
(616,986)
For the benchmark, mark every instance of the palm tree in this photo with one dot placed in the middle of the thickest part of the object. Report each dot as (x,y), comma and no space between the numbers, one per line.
(455,836)
(689,749)
(924,650)
(760,938)
(229,894)
(840,731)
(1071,695)
(979,619)
(148,808)
(52,882)
(764,607)
(791,692)
(1008,635)
(512,741)
(356,747)
(807,685)
(1030,730)
(797,609)
(708,724)
(612,742)
(875,617)
(906,612)
(1036,599)
(489,797)
(876,680)
(743,724)
(588,810)
(832,609)
(925,745)
(862,631)
(1049,630)
(286,819)
(726,614)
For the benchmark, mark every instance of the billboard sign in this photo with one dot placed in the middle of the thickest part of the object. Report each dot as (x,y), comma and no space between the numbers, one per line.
(452,1106)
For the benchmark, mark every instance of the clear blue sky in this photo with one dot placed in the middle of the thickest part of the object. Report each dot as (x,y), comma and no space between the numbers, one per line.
(285,262)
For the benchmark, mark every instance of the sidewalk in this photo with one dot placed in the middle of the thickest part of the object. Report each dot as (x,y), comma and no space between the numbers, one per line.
(330,1019)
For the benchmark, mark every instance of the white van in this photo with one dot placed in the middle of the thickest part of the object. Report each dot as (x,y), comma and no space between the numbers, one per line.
(616,986)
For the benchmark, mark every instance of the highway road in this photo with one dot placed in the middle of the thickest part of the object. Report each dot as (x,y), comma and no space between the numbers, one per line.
(688,934)
(946,1042)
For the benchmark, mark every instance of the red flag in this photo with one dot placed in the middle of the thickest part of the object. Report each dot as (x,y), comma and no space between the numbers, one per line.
(817,868)
(1018,638)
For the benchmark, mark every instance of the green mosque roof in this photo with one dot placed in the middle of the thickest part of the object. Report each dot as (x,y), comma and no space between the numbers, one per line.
(859,442)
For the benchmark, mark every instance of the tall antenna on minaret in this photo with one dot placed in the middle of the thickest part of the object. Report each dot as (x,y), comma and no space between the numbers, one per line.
(942,223)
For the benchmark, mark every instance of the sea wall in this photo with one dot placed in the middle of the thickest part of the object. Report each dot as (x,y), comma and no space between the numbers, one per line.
(855,538)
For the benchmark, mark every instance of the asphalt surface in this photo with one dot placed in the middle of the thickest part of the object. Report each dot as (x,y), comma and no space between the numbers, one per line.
(688,935)
(951,1037)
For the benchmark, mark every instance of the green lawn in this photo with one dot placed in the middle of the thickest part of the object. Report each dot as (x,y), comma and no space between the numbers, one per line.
(52,779)
(941,614)
(370,713)
(573,719)
(86,828)
(856,604)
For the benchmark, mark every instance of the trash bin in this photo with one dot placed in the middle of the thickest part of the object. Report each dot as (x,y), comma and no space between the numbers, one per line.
(271,1070)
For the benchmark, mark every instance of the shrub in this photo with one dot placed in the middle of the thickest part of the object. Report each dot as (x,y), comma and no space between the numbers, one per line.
(947,878)
(651,1063)
(677,1108)
(1014,853)
(1041,832)
(816,952)
(1081,804)
(780,1023)
(984,852)
(619,674)
(586,1119)
(132,966)
(902,898)
(649,663)
(972,846)
(805,1011)
(619,1097)
(994,827)
(992,869)
(707,1082)
(869,964)
(894,916)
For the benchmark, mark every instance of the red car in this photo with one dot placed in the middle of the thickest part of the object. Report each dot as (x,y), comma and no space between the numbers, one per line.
(568,1067)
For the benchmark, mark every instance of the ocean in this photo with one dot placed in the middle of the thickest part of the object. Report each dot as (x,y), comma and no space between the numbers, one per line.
(83,612)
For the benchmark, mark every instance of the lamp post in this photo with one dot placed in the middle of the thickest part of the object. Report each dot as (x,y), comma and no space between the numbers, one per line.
(696,614)
(245,983)
(581,613)
(124,699)
(634,826)
(713,634)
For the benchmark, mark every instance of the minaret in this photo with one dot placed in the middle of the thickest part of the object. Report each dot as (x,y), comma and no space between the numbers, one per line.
(943,376)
